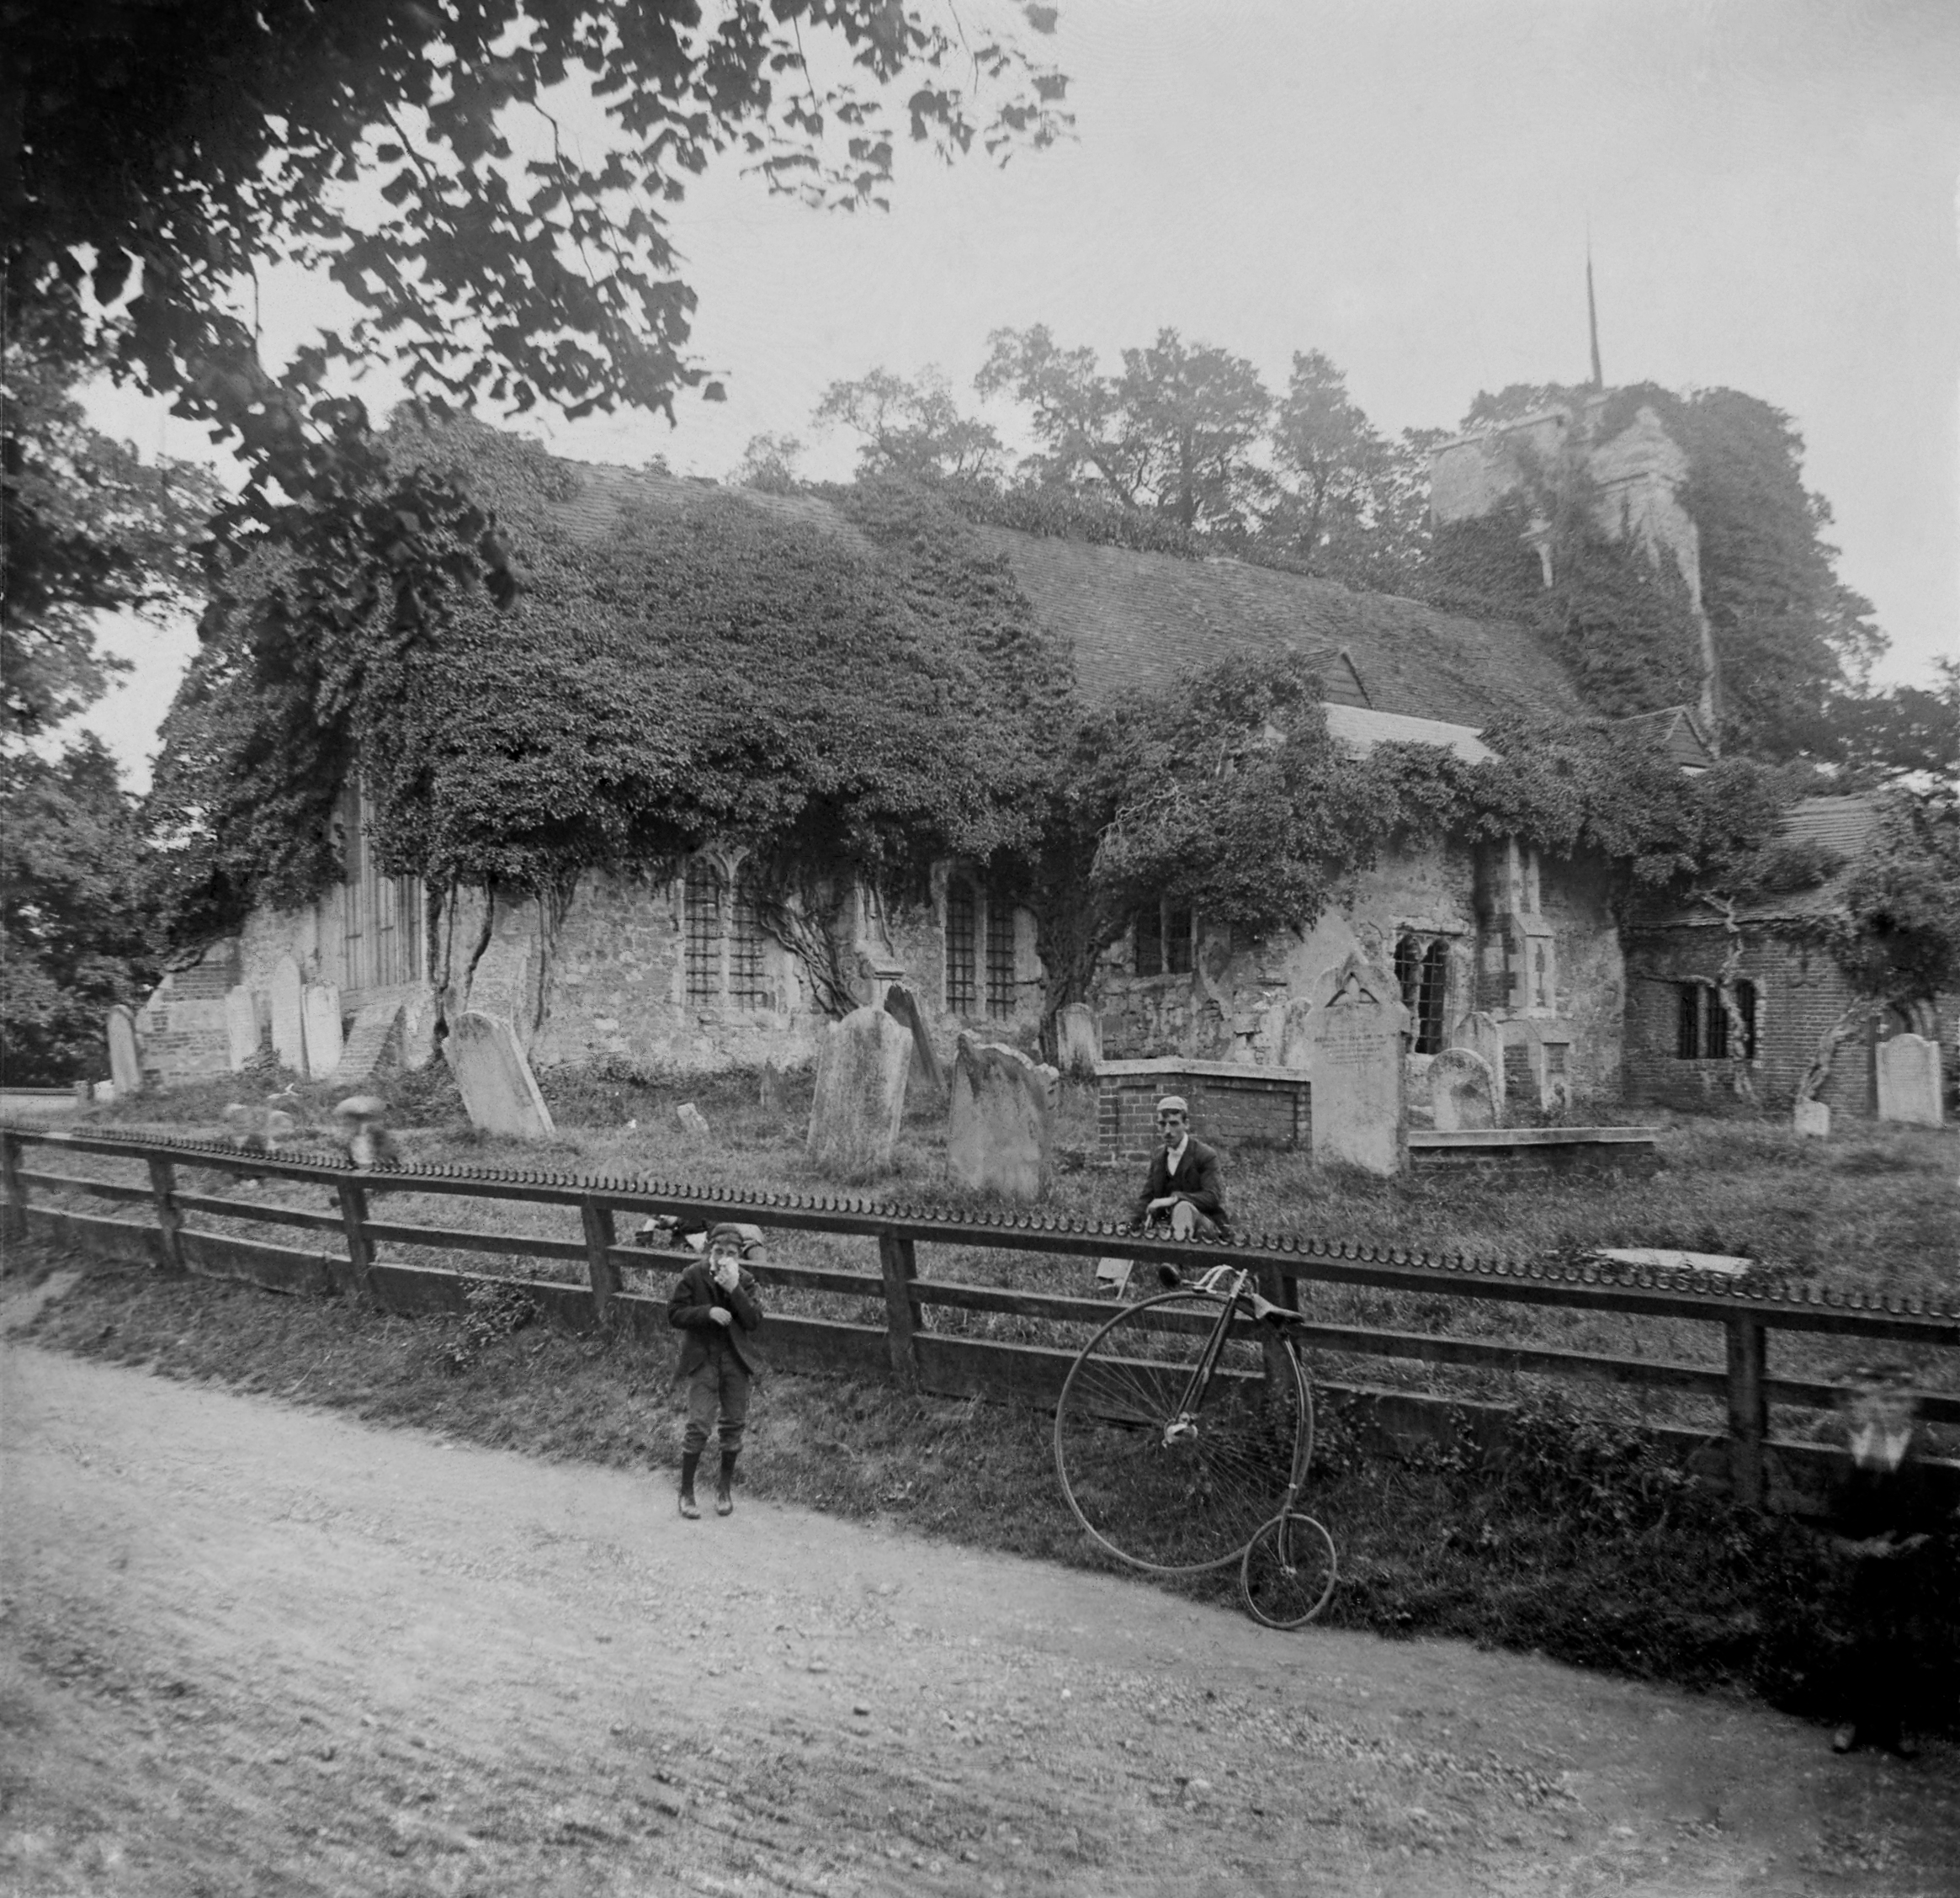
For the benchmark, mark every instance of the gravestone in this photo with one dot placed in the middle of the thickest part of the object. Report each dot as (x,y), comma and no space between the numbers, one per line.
(1001,1123)
(500,1092)
(772,1094)
(241,1027)
(1909,1080)
(374,1044)
(1296,1035)
(320,1009)
(1812,1118)
(1462,1091)
(693,1122)
(903,1007)
(1359,1115)
(1483,1035)
(861,1070)
(288,1020)
(125,1060)
(1078,1040)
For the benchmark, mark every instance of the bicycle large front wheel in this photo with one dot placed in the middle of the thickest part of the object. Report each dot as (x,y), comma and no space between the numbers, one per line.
(1168,1478)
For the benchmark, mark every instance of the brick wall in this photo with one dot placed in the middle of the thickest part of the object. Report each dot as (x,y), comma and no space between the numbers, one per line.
(1231,1106)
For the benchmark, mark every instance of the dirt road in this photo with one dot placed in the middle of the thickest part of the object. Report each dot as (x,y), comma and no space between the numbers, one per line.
(251,1648)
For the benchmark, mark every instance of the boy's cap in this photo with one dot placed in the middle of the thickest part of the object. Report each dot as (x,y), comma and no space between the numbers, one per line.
(725,1235)
(1172,1103)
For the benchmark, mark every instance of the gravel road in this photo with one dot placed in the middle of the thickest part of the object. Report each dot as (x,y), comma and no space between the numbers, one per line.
(251,1648)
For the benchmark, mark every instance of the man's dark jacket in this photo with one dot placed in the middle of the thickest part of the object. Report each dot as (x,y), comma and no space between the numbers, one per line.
(694,1296)
(1197,1178)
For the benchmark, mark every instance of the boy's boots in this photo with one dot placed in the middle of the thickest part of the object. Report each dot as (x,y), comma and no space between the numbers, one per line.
(725,1486)
(690,1462)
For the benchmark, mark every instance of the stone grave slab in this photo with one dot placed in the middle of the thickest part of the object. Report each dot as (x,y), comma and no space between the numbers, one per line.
(1812,1118)
(1666,1258)
(374,1044)
(1359,1112)
(693,1123)
(286,995)
(320,1010)
(1462,1091)
(1909,1082)
(903,1007)
(1078,1040)
(241,1027)
(500,1092)
(1000,1126)
(861,1070)
(125,1059)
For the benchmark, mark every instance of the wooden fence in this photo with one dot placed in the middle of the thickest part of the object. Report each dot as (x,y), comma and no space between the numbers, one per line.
(904,1348)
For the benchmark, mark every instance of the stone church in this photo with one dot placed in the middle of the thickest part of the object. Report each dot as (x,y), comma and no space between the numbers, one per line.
(1496,949)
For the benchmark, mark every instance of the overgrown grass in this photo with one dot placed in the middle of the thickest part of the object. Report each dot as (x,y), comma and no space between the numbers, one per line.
(1874,1209)
(1586,1544)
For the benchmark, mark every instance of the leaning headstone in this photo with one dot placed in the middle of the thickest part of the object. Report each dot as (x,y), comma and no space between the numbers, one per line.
(903,1006)
(1461,1091)
(320,1007)
(125,1060)
(500,1092)
(240,1028)
(1358,1070)
(1078,1036)
(373,1045)
(1812,1118)
(693,1121)
(288,1018)
(1908,1081)
(1000,1125)
(861,1070)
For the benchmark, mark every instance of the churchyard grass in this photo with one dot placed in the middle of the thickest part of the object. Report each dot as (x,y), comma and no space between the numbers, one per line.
(1874,1209)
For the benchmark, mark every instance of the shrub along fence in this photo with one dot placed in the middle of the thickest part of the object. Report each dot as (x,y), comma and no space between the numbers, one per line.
(1759,1470)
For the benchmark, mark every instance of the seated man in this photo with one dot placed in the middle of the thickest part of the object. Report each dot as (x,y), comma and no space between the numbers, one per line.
(1183,1195)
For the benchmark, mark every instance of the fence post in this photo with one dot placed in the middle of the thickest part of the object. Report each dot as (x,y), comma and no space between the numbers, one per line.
(353,1220)
(169,1216)
(13,1216)
(898,1261)
(599,1234)
(1749,1410)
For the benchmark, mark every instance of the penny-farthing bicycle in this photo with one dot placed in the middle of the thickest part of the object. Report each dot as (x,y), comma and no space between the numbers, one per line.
(1183,1439)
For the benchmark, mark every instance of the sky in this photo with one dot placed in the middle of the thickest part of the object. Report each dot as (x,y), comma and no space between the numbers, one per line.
(1772,189)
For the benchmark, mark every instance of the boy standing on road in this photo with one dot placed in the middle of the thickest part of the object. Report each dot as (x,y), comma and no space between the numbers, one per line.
(715,1304)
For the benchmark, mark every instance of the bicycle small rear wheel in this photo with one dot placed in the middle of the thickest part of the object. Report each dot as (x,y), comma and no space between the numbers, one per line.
(1288,1571)
(1172,1494)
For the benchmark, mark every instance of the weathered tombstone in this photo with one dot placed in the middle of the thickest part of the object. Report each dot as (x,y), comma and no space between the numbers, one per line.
(125,1059)
(1001,1123)
(373,1045)
(693,1121)
(1462,1091)
(861,1070)
(1482,1034)
(500,1092)
(1812,1118)
(772,1088)
(241,1027)
(1909,1080)
(288,1018)
(1078,1038)
(320,1009)
(1358,1107)
(105,1093)
(903,1007)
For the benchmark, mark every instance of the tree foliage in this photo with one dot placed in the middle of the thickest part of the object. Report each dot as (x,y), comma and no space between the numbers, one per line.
(911,427)
(157,153)
(72,941)
(1900,938)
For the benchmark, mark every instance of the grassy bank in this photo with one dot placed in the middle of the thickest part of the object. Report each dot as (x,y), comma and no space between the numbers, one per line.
(1584,1545)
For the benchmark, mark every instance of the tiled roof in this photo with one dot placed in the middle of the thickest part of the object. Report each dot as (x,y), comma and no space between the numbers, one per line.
(1362,728)
(1676,728)
(1145,619)
(1846,827)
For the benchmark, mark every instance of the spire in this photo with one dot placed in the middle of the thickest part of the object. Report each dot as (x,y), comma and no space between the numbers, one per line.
(1592,317)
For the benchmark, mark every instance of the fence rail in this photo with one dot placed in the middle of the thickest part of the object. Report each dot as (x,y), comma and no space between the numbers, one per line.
(904,1346)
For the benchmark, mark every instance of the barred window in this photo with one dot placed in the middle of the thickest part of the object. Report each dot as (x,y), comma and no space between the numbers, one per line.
(1702,1022)
(1166,934)
(1149,940)
(1423,976)
(999,958)
(702,894)
(962,949)
(748,985)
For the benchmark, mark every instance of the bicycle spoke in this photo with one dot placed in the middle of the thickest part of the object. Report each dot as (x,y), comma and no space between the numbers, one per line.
(1288,1571)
